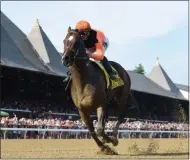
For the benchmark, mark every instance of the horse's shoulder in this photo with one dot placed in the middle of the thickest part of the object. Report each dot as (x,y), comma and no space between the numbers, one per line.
(94,68)
(93,64)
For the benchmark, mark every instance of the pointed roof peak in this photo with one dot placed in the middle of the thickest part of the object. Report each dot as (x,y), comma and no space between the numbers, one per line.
(157,61)
(37,24)
(45,49)
(159,76)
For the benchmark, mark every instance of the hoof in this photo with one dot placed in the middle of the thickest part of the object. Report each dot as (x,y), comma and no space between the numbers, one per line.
(106,150)
(102,140)
(114,140)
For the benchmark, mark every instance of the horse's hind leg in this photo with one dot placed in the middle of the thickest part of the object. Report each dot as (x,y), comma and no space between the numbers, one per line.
(101,126)
(121,114)
(85,115)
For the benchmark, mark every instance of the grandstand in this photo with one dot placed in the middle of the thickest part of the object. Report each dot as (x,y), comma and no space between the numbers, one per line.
(32,82)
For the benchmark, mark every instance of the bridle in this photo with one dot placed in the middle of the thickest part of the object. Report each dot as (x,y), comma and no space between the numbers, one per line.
(76,50)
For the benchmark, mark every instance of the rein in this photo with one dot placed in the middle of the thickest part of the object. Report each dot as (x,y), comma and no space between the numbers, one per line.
(76,51)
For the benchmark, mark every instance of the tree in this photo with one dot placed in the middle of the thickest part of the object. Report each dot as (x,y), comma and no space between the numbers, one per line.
(139,69)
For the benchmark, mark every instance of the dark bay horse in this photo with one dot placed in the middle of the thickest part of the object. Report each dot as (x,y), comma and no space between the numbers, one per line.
(89,91)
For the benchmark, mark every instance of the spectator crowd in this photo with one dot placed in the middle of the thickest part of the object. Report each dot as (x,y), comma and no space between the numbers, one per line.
(56,121)
(59,123)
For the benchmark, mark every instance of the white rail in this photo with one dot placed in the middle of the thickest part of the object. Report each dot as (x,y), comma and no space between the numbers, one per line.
(85,130)
(76,132)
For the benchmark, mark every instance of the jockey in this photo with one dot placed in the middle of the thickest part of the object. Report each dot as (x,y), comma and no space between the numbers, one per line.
(96,44)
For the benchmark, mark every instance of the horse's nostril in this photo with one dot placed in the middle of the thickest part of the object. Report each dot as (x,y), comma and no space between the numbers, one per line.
(66,58)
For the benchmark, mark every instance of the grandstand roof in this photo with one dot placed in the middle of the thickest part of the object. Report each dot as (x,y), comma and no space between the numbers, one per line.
(11,55)
(36,52)
(46,50)
(12,35)
(141,83)
(182,87)
(160,77)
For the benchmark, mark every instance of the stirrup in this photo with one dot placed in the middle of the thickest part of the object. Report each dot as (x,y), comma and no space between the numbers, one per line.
(113,75)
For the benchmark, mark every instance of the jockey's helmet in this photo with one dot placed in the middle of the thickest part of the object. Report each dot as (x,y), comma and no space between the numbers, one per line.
(83,26)
(84,29)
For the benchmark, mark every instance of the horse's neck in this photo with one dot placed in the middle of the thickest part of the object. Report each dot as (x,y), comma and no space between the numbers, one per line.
(79,73)
(80,70)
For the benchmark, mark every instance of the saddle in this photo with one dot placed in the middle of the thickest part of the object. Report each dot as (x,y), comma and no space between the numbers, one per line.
(111,83)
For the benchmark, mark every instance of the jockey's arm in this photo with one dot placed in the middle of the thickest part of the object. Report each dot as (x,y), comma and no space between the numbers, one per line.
(99,52)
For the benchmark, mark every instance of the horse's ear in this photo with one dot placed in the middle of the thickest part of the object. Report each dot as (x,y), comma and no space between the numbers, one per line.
(69,29)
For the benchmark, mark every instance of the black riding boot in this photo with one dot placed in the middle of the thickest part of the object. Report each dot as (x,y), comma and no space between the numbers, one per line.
(68,77)
(108,68)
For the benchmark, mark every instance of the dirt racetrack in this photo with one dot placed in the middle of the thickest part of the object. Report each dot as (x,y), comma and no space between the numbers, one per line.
(86,148)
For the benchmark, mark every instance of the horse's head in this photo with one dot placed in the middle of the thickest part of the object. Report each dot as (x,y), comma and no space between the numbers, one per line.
(73,47)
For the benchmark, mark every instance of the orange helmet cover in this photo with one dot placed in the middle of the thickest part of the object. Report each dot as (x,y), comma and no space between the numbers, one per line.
(83,25)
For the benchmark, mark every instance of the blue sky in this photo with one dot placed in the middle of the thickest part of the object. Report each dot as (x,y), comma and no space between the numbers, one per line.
(138,31)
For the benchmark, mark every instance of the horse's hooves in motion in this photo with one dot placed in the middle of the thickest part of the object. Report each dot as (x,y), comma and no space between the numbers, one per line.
(114,140)
(106,150)
(102,140)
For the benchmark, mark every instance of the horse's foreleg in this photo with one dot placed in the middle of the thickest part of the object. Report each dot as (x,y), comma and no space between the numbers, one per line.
(101,121)
(86,119)
(101,111)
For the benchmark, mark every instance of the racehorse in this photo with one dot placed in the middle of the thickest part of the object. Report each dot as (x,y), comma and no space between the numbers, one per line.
(89,91)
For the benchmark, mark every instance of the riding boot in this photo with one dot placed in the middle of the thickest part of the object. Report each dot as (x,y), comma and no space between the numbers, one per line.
(108,68)
(68,77)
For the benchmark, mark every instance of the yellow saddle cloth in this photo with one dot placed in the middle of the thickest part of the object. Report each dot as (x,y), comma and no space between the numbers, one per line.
(111,83)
